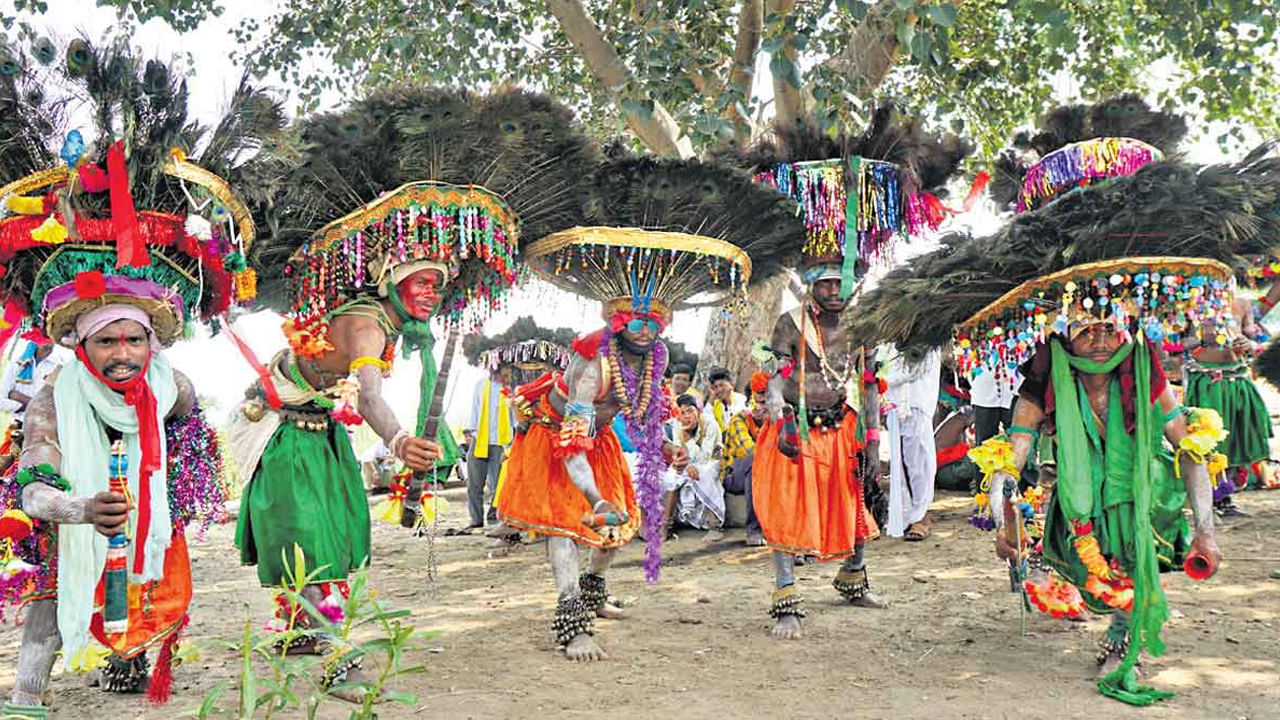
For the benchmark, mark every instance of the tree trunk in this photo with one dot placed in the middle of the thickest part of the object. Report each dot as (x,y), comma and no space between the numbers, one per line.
(730,336)
(656,129)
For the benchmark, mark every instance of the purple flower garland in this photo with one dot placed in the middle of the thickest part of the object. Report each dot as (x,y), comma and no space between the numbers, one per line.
(648,438)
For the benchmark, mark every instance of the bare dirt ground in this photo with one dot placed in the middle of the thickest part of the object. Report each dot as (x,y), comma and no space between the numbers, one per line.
(697,644)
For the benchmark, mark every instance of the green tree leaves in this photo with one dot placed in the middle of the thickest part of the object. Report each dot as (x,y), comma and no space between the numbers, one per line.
(991,64)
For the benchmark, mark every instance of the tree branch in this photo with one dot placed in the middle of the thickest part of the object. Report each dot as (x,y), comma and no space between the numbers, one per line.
(872,49)
(791,107)
(656,129)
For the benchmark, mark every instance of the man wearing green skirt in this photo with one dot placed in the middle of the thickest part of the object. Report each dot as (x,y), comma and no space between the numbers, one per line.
(1219,375)
(1115,519)
(289,438)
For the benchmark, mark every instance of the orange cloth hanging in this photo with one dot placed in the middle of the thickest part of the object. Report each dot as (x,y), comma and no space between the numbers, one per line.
(814,507)
(538,495)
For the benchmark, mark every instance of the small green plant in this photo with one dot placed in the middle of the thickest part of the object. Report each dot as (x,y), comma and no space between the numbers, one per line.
(270,680)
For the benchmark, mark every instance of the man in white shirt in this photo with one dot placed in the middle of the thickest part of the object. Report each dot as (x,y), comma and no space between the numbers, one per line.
(693,493)
(26,374)
(912,395)
(722,402)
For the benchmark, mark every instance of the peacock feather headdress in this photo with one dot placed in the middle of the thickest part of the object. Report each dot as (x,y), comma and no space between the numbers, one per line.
(1226,213)
(1078,145)
(526,347)
(857,193)
(666,234)
(121,213)
(418,175)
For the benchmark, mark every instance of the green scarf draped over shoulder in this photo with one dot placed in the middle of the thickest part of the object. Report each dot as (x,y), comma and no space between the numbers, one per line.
(418,336)
(1081,500)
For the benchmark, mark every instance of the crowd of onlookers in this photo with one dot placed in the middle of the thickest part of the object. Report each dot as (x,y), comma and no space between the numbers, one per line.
(931,421)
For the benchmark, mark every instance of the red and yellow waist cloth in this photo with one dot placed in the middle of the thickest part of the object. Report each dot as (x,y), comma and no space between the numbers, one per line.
(538,495)
(157,609)
(812,505)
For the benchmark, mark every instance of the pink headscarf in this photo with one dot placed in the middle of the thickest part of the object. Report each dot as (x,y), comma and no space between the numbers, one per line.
(91,322)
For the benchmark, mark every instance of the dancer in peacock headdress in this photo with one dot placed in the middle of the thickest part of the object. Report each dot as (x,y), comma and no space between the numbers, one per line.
(405,208)
(114,246)
(817,459)
(1080,296)
(665,235)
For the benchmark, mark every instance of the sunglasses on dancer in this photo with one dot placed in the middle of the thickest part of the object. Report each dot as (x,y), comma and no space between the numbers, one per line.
(637,322)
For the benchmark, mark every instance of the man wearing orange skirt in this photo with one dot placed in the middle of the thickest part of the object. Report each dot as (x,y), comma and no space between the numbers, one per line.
(567,477)
(567,468)
(808,490)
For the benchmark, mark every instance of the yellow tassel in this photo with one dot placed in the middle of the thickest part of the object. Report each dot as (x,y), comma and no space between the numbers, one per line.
(90,658)
(433,505)
(50,232)
(389,511)
(26,205)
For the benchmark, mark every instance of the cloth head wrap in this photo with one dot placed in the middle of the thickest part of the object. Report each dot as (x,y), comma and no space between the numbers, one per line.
(823,271)
(398,274)
(91,322)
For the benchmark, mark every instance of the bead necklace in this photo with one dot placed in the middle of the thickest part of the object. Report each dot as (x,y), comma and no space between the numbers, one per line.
(626,403)
(836,381)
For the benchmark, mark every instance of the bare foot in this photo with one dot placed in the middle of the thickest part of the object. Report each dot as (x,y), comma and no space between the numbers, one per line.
(609,611)
(713,535)
(1110,664)
(354,694)
(583,648)
(787,628)
(869,600)
(1113,661)
(755,540)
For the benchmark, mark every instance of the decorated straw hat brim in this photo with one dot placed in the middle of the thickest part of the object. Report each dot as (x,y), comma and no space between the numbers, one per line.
(593,261)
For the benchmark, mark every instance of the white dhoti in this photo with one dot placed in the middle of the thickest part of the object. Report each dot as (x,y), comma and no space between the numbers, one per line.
(700,503)
(912,466)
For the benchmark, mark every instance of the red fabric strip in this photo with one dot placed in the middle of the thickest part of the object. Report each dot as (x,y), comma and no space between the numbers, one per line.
(138,395)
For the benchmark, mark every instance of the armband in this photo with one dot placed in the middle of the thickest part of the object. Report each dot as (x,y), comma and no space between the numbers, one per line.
(1020,430)
(360,362)
(43,473)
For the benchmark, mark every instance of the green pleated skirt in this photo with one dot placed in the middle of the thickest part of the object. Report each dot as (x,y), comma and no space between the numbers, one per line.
(1244,414)
(307,491)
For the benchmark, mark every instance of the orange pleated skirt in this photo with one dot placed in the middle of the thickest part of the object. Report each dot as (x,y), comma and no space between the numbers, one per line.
(814,507)
(537,494)
(156,609)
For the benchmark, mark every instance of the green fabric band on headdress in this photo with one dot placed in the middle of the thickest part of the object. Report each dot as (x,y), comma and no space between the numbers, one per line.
(849,270)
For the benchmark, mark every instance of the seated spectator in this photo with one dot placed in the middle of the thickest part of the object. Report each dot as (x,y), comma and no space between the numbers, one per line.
(682,381)
(693,493)
(955,470)
(739,453)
